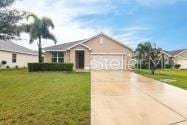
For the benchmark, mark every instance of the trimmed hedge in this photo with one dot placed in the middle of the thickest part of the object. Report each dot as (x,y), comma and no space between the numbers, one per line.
(141,66)
(168,66)
(34,67)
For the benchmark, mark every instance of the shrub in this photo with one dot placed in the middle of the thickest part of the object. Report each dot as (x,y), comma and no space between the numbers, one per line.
(33,67)
(141,66)
(177,66)
(16,67)
(3,62)
(167,66)
(7,67)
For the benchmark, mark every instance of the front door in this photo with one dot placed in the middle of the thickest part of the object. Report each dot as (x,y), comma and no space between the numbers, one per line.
(79,59)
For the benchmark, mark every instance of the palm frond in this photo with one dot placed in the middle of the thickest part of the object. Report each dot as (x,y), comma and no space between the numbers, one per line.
(33,16)
(51,37)
(48,22)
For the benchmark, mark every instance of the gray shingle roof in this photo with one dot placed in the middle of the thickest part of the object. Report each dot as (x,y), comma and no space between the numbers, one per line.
(62,47)
(175,52)
(12,47)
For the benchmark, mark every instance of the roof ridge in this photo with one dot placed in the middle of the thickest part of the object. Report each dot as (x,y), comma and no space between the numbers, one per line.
(64,43)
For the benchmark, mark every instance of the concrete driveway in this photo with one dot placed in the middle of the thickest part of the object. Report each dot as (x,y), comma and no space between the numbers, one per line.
(125,98)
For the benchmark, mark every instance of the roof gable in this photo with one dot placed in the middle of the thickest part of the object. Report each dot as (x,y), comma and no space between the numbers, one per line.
(100,35)
(80,44)
(182,54)
(69,45)
(175,52)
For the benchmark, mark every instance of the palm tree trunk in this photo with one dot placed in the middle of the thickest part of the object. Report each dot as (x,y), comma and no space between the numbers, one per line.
(40,51)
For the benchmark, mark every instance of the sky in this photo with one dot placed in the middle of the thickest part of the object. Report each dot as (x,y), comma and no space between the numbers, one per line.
(163,22)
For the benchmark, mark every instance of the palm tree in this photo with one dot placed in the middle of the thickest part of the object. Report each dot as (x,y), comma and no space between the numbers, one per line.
(39,29)
(143,49)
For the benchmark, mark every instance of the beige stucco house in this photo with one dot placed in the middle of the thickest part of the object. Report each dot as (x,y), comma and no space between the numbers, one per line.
(178,56)
(97,52)
(15,55)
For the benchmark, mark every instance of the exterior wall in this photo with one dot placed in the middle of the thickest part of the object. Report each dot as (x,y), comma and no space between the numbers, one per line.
(21,61)
(86,56)
(182,60)
(67,56)
(47,57)
(102,44)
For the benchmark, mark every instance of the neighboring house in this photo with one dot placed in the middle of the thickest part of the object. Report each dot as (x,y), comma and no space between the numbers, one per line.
(179,57)
(15,55)
(97,52)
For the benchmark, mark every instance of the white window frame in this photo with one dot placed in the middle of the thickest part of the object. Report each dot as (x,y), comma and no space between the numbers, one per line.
(14,58)
(57,57)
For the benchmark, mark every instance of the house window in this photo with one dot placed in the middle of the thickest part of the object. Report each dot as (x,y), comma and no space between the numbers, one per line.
(14,56)
(60,57)
(54,57)
(57,57)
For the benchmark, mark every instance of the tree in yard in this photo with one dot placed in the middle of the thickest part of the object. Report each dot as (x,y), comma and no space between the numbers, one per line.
(9,19)
(150,55)
(155,57)
(39,29)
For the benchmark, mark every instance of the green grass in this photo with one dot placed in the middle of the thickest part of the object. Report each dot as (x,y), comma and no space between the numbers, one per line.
(44,98)
(180,76)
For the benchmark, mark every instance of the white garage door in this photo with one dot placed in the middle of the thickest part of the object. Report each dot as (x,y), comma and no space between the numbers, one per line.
(107,61)
(183,63)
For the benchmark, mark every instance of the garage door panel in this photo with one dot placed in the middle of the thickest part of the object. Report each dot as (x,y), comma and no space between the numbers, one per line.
(107,62)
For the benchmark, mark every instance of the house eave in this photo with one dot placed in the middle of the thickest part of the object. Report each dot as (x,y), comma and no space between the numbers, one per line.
(19,52)
(55,50)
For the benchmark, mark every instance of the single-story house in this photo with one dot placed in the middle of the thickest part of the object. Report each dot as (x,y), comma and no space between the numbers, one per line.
(13,55)
(97,52)
(178,56)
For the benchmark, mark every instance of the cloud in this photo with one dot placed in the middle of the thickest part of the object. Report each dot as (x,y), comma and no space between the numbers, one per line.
(64,14)
(133,35)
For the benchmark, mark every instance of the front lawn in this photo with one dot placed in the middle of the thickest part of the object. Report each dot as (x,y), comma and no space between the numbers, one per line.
(173,77)
(44,98)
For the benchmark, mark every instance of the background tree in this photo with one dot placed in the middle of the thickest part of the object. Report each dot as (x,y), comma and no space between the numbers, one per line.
(142,51)
(155,57)
(39,29)
(150,55)
(9,20)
